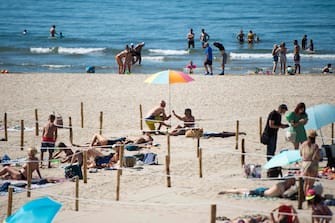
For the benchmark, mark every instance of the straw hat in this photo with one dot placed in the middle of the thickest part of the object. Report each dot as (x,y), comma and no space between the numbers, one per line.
(311,133)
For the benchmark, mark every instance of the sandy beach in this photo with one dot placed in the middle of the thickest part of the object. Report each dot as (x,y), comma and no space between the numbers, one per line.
(217,103)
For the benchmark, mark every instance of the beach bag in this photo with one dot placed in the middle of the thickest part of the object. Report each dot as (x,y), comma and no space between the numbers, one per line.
(194,133)
(253,170)
(72,171)
(290,135)
(274,172)
(131,147)
(150,159)
(265,138)
(129,161)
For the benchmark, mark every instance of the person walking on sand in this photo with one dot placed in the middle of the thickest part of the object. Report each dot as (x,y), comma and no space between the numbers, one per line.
(273,124)
(275,58)
(11,173)
(298,119)
(49,137)
(190,39)
(208,59)
(119,60)
(282,50)
(296,57)
(204,37)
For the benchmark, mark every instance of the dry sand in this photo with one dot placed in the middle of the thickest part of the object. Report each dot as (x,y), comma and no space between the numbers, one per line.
(217,102)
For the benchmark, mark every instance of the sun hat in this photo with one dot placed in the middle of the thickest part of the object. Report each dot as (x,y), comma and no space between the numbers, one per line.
(311,133)
(310,194)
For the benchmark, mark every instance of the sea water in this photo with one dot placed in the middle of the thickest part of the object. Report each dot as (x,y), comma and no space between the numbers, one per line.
(96,30)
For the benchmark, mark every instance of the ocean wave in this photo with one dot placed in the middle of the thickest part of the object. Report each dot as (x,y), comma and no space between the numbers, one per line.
(168,52)
(244,56)
(157,58)
(63,50)
(42,50)
(55,66)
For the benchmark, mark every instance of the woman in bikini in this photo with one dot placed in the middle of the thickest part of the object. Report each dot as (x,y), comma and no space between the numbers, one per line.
(188,120)
(11,173)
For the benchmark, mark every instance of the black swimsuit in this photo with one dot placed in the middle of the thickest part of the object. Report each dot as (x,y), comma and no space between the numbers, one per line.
(22,176)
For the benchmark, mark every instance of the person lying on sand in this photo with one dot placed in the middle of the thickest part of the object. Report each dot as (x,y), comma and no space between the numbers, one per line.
(222,134)
(11,173)
(276,190)
(188,120)
(101,141)
(62,148)
(106,161)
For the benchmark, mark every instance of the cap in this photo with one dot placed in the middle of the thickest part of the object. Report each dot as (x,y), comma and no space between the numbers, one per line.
(283,106)
(310,194)
(284,209)
(311,133)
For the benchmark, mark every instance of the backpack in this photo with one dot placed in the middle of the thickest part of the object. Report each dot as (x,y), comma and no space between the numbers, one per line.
(72,171)
(150,159)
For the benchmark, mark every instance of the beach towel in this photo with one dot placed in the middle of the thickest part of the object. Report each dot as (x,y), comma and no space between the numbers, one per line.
(150,159)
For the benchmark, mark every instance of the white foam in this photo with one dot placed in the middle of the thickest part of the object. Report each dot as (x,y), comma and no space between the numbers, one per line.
(244,56)
(157,58)
(55,65)
(168,52)
(41,50)
(63,50)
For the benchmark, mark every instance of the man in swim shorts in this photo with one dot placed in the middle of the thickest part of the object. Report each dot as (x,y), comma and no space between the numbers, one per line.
(224,55)
(296,57)
(157,115)
(204,37)
(190,39)
(208,59)
(49,137)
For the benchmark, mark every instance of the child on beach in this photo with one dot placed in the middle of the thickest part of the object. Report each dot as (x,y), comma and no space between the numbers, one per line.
(191,67)
(11,173)
(49,137)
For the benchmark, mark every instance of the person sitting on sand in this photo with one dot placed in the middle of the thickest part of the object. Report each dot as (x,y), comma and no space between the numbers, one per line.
(9,172)
(285,214)
(276,190)
(146,139)
(59,155)
(188,120)
(157,115)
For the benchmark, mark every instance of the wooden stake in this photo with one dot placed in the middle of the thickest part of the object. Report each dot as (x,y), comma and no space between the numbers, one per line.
(77,194)
(141,118)
(167,168)
(118,176)
(243,153)
(200,163)
(10,201)
(85,166)
(237,133)
(260,128)
(213,213)
(36,123)
(29,175)
(121,155)
(168,144)
(22,134)
(70,130)
(332,140)
(82,114)
(101,119)
(5,123)
(300,193)
(198,146)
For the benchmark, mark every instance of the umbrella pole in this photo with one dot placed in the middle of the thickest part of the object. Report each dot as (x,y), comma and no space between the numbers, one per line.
(322,137)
